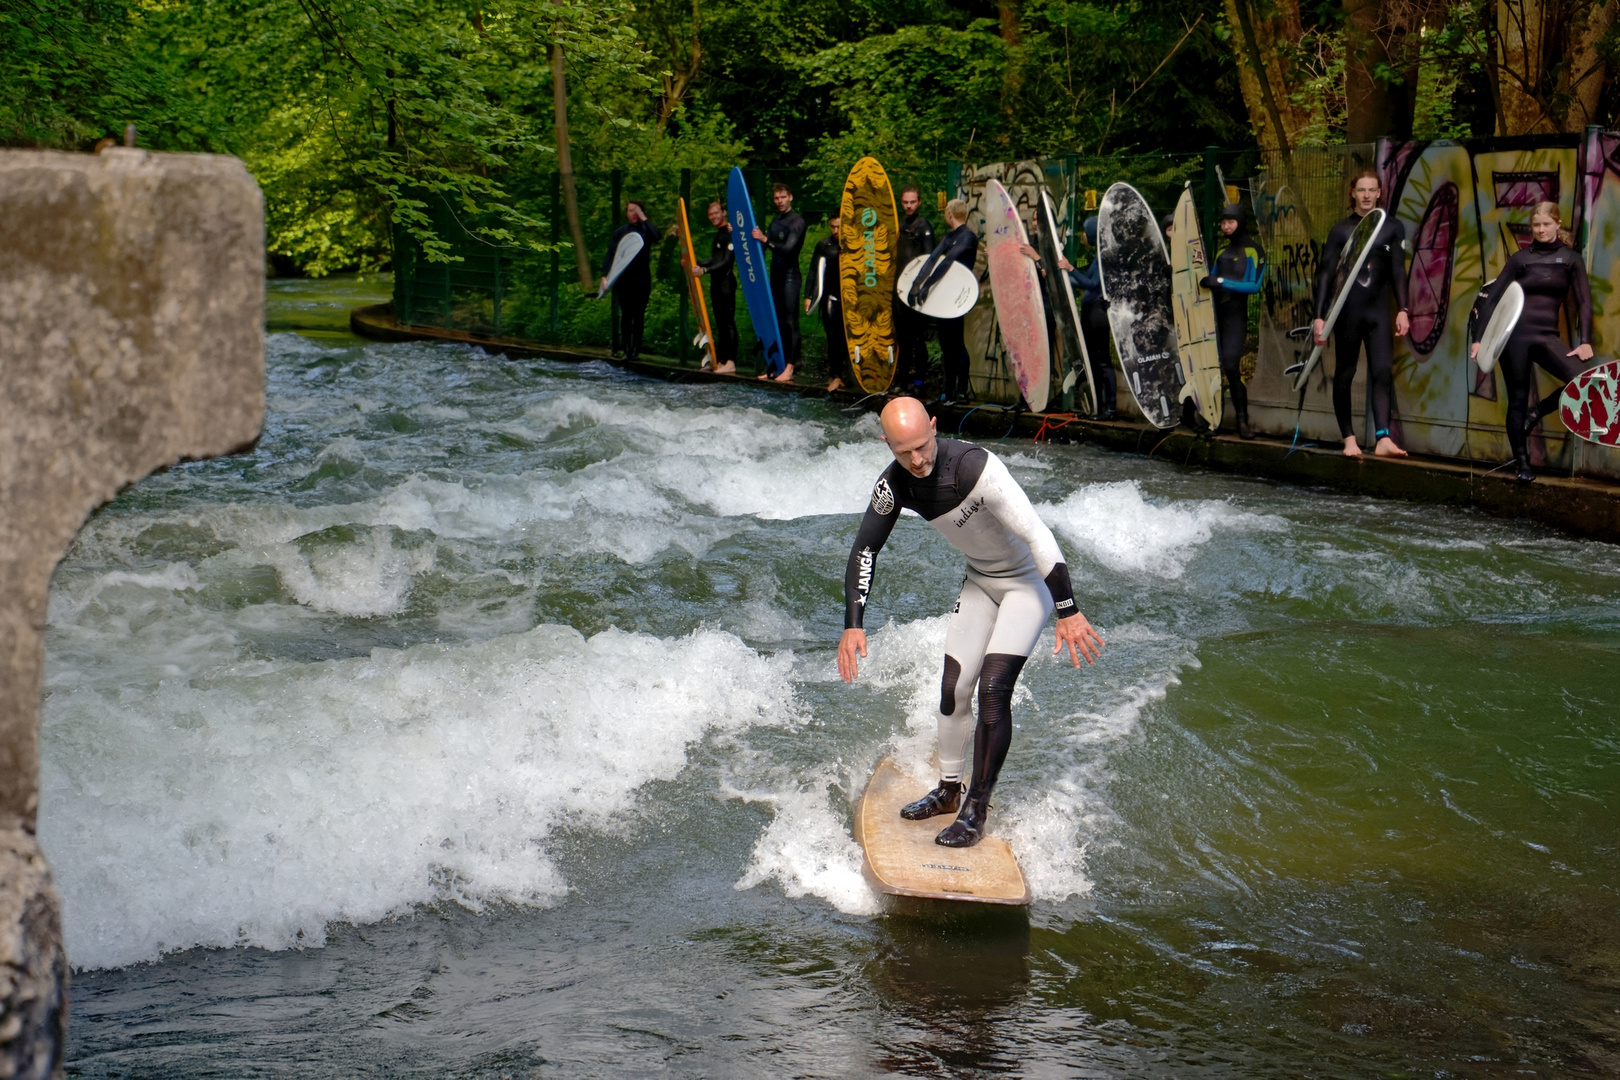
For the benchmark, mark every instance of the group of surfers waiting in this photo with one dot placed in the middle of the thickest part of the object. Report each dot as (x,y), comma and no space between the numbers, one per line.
(1374,312)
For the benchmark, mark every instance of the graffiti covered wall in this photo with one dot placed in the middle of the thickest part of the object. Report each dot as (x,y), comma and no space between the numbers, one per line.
(1465,208)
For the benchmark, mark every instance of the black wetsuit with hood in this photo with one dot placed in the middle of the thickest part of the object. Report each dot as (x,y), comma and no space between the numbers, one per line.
(784,237)
(962,245)
(1087,283)
(634,285)
(1237,274)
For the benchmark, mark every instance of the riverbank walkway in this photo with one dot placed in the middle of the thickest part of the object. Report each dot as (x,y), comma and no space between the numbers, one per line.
(1582,506)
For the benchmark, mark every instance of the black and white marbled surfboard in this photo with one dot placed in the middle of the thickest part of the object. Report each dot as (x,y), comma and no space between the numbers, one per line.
(1136,283)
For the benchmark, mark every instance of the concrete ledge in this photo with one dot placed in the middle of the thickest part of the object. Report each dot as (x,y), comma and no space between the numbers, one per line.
(33,967)
(1578,505)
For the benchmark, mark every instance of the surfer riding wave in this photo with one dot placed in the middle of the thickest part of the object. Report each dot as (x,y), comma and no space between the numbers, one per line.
(1016,578)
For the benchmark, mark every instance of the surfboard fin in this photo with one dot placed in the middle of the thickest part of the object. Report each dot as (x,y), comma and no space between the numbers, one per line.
(1069,380)
(891,355)
(857,356)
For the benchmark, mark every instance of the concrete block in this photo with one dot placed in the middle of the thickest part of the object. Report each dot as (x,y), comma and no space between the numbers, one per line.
(131,337)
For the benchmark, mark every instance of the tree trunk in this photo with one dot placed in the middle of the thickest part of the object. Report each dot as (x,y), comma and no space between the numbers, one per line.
(680,75)
(1374,107)
(1267,88)
(565,167)
(1587,70)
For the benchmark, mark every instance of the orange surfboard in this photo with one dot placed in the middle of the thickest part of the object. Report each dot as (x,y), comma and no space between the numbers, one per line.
(705,336)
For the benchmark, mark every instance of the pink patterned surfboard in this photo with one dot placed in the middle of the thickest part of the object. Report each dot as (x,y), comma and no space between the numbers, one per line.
(1590,404)
(1015,286)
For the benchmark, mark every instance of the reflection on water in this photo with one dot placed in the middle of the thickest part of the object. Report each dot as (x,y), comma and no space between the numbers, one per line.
(483,722)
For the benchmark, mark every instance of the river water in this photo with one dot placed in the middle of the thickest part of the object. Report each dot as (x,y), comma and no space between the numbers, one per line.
(483,722)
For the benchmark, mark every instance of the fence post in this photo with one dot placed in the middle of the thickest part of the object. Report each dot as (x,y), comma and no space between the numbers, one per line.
(498,283)
(556,243)
(613,297)
(686,284)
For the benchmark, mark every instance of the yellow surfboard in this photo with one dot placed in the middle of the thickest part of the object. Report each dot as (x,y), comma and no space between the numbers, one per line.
(902,859)
(868,247)
(694,285)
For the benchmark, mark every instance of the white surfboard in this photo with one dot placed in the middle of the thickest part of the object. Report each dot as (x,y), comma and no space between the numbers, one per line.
(629,248)
(952,295)
(901,858)
(1500,327)
(1350,262)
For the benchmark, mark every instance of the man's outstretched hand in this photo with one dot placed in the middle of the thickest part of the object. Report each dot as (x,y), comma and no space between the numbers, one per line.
(1073,631)
(853,641)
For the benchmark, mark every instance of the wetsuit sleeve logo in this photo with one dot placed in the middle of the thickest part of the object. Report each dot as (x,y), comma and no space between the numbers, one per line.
(883,497)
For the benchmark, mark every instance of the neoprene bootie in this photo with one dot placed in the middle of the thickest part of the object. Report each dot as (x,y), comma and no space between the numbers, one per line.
(1522,469)
(942,800)
(1244,430)
(968,828)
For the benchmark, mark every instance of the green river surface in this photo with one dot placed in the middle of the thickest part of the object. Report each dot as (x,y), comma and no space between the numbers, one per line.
(483,721)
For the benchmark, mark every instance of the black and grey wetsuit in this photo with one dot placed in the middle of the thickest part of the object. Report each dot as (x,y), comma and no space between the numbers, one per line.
(911,327)
(1365,317)
(961,244)
(722,295)
(824,286)
(784,237)
(1552,275)
(634,286)
(1016,576)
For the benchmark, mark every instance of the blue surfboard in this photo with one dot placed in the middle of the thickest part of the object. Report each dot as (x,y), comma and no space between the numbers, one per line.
(752,272)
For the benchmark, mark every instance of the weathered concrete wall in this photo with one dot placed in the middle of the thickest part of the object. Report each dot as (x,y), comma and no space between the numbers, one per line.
(131,337)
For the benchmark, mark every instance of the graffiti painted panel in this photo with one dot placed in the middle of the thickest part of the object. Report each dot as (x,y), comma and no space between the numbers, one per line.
(1433,195)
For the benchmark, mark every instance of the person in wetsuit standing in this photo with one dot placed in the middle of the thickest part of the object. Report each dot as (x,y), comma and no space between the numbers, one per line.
(722,290)
(1364,319)
(1016,578)
(783,239)
(634,286)
(1237,274)
(826,298)
(911,327)
(1552,275)
(960,243)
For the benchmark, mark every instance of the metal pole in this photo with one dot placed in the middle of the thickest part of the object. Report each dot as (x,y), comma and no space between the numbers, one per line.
(613,301)
(556,247)
(686,284)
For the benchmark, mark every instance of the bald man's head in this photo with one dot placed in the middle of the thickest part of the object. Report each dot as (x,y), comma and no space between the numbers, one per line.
(909,431)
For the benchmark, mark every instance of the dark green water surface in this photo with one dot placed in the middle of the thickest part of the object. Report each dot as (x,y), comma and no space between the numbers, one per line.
(483,722)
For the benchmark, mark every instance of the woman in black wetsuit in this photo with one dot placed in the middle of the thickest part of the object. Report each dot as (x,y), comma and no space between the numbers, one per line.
(962,244)
(1551,274)
(1364,319)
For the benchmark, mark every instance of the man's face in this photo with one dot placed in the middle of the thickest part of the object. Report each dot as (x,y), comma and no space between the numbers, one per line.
(916,454)
(717,216)
(835,223)
(1366,194)
(909,202)
(783,201)
(1228,226)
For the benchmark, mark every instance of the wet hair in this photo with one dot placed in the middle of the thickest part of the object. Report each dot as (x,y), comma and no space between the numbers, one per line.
(638,204)
(720,203)
(1551,210)
(957,209)
(913,189)
(1361,174)
(780,188)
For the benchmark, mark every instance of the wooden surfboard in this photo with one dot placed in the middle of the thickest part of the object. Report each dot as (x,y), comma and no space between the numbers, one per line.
(901,858)
(868,247)
(1590,404)
(1195,312)
(694,285)
(1136,283)
(1015,286)
(752,274)
(952,296)
(1350,261)
(1069,350)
